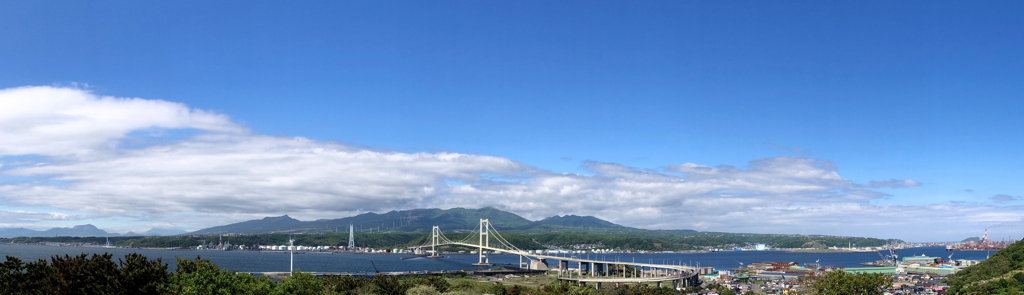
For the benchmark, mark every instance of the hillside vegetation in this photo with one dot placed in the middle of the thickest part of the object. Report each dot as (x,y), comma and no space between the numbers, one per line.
(1001,273)
(136,274)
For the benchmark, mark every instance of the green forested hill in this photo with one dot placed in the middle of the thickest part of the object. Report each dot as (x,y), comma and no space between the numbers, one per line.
(265,225)
(1001,273)
(412,227)
(416,220)
(579,221)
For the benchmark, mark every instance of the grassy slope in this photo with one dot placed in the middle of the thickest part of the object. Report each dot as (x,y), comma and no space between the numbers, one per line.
(999,274)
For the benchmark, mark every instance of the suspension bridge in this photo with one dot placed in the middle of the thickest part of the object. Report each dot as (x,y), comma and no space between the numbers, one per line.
(587,271)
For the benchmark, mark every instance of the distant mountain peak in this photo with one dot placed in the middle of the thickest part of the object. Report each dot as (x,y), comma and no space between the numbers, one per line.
(579,221)
(265,225)
(163,232)
(282,217)
(84,230)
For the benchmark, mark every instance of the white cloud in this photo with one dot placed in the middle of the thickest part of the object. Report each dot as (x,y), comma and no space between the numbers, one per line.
(66,121)
(224,174)
(773,195)
(249,174)
(23,216)
(1004,198)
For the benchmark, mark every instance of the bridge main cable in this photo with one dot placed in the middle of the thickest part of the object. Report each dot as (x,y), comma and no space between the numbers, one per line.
(675,273)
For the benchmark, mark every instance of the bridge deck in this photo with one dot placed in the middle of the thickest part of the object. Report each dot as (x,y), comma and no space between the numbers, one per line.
(680,268)
(649,272)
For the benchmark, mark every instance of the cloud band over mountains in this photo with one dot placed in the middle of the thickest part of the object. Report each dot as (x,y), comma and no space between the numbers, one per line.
(81,155)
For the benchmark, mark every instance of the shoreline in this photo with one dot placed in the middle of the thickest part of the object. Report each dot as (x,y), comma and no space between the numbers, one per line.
(829,251)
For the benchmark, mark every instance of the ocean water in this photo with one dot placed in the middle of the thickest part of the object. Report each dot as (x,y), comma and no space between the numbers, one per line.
(252,261)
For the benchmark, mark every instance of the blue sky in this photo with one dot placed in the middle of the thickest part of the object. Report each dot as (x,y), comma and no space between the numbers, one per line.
(805,103)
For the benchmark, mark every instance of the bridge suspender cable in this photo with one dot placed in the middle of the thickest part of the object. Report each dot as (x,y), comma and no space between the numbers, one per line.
(641,272)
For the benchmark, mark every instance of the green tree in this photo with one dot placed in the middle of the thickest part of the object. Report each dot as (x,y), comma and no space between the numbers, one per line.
(640,289)
(199,276)
(82,275)
(300,283)
(465,286)
(422,290)
(386,285)
(844,283)
(343,285)
(139,275)
(563,288)
(38,277)
(436,282)
(497,289)
(18,277)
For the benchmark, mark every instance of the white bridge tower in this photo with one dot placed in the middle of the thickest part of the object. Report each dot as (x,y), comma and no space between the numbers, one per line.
(435,239)
(485,241)
(351,237)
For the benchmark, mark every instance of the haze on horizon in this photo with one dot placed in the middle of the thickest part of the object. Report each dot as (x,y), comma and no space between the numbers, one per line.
(874,118)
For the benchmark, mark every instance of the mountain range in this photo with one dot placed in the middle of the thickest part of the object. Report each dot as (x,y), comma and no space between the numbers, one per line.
(85,230)
(461,220)
(415,220)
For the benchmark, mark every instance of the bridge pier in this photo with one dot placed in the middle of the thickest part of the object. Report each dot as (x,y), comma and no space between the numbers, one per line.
(687,282)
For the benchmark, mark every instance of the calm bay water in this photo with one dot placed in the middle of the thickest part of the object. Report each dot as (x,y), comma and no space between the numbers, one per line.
(251,261)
